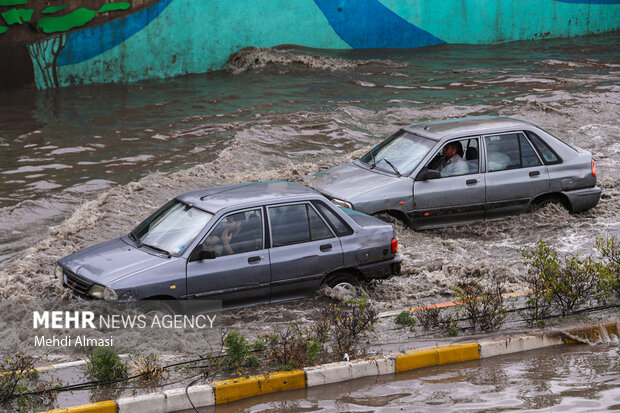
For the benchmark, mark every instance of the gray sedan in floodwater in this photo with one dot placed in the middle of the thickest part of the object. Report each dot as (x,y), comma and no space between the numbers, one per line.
(445,173)
(240,244)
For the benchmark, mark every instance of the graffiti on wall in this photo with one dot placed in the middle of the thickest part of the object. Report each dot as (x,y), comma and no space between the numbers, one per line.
(56,19)
(165,38)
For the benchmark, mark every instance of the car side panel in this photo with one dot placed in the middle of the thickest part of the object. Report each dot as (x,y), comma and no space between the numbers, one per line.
(239,279)
(448,201)
(511,191)
(297,270)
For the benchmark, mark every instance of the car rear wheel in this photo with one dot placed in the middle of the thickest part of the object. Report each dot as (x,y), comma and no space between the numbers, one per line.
(344,283)
(536,205)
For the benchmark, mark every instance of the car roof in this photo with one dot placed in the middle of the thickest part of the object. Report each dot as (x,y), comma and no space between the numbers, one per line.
(221,197)
(437,130)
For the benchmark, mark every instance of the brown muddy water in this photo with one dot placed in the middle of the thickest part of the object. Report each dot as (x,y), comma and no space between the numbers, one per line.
(81,165)
(566,378)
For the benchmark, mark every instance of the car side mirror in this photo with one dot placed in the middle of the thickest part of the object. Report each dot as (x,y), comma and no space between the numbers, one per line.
(202,254)
(426,174)
(206,255)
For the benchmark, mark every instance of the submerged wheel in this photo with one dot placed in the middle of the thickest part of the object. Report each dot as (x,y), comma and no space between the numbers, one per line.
(392,217)
(548,201)
(344,283)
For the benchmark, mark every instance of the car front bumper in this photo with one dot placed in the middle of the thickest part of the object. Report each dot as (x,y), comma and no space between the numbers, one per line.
(583,199)
(382,269)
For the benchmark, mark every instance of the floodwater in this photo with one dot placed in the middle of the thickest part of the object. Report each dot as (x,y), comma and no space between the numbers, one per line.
(567,378)
(91,162)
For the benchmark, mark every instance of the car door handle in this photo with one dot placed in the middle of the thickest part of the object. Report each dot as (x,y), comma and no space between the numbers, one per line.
(254,259)
(471,181)
(534,173)
(325,247)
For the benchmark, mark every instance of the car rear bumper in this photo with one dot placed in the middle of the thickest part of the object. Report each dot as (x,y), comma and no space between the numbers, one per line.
(381,269)
(583,199)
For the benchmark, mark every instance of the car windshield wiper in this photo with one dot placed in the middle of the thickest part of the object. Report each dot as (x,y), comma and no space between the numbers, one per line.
(392,165)
(135,239)
(374,162)
(158,249)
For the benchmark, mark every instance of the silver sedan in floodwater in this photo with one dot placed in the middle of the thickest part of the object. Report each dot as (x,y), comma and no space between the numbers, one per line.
(445,173)
(241,244)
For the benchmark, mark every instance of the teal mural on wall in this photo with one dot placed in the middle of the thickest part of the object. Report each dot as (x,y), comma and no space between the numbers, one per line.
(176,37)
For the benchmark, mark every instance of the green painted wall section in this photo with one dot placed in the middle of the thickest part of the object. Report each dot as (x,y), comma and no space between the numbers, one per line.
(17,16)
(53,9)
(197,36)
(70,21)
(487,22)
(119,5)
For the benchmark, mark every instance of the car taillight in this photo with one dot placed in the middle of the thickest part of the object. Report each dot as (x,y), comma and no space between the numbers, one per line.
(394,246)
(593,169)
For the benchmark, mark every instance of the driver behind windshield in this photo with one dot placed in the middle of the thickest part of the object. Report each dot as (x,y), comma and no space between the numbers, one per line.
(452,163)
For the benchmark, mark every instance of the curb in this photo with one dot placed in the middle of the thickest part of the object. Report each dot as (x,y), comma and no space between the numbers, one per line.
(226,391)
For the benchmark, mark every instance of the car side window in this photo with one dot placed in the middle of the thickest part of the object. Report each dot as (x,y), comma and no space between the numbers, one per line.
(459,157)
(528,154)
(510,151)
(294,224)
(236,234)
(549,157)
(339,226)
(503,152)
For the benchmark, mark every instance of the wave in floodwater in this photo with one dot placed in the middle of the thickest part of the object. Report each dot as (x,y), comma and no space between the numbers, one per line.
(251,58)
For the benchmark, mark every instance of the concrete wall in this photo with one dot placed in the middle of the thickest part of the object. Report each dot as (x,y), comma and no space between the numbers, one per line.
(165,38)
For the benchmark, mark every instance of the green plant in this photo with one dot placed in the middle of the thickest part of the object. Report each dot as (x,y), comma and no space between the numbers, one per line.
(575,282)
(148,367)
(252,361)
(258,345)
(237,349)
(288,348)
(17,377)
(453,331)
(312,352)
(105,365)
(482,305)
(609,270)
(349,323)
(542,262)
(405,319)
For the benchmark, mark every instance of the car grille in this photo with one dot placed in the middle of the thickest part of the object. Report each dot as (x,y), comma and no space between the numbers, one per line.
(76,283)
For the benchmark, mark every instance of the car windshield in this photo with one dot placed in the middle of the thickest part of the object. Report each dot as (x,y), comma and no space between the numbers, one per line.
(399,154)
(172,229)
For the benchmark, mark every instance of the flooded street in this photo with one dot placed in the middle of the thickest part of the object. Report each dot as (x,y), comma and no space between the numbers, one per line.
(93,161)
(567,378)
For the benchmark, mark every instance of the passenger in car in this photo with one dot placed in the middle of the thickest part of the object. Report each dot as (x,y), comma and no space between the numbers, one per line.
(235,234)
(452,163)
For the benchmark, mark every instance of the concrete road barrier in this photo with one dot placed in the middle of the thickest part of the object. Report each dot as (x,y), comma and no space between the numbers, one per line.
(226,391)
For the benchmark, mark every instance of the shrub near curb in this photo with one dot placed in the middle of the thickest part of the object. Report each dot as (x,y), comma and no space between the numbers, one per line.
(105,365)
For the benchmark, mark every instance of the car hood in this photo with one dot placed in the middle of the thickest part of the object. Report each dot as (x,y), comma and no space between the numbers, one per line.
(109,261)
(349,180)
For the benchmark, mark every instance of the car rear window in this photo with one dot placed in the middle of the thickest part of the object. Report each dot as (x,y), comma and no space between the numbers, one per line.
(548,155)
(338,225)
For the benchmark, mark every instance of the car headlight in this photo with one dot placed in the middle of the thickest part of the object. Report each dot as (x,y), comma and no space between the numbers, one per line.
(59,273)
(101,292)
(341,203)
